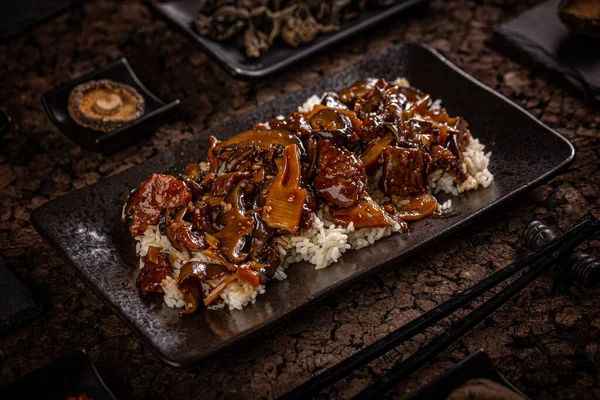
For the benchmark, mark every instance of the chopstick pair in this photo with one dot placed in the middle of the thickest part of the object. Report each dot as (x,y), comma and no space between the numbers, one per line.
(547,256)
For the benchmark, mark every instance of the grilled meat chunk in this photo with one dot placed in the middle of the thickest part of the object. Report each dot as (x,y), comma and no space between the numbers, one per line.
(404,171)
(341,175)
(155,194)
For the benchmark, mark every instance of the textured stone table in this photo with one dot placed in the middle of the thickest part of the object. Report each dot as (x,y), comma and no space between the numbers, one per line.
(546,340)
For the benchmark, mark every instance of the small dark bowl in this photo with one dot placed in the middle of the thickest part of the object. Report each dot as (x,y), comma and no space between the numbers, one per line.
(477,365)
(55,103)
(5,122)
(70,376)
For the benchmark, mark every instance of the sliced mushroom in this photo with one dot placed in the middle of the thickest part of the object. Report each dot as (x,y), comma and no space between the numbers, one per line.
(195,188)
(262,234)
(237,226)
(263,138)
(129,203)
(192,282)
(358,89)
(332,100)
(201,272)
(181,236)
(225,182)
(329,123)
(312,150)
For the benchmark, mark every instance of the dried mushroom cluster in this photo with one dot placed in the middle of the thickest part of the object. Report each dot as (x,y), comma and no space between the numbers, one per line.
(263,21)
(105,105)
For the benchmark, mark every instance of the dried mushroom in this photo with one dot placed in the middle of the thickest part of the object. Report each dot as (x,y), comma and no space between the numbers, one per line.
(105,105)
(263,22)
(581,16)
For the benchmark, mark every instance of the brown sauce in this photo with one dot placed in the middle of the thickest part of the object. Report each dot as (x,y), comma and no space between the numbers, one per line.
(267,182)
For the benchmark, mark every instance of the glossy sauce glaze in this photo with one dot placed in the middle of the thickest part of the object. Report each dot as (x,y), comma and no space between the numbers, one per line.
(363,155)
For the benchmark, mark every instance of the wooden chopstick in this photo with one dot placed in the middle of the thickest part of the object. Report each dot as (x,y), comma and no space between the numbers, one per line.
(383,345)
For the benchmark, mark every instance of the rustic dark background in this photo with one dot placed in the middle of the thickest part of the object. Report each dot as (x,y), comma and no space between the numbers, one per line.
(545,340)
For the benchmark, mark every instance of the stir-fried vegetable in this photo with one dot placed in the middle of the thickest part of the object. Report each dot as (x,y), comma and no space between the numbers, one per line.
(268,182)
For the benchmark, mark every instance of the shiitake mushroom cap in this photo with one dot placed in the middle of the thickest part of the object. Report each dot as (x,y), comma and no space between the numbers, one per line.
(581,16)
(105,105)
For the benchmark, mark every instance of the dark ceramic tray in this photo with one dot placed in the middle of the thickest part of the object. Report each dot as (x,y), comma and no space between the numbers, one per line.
(231,56)
(84,227)
(55,103)
(476,365)
(70,376)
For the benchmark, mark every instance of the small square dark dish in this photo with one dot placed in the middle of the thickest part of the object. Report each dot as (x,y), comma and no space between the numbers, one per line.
(55,103)
(70,376)
(5,122)
(231,56)
(540,39)
(477,365)
(85,226)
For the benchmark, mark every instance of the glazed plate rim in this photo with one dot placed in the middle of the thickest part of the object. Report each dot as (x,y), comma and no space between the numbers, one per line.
(186,360)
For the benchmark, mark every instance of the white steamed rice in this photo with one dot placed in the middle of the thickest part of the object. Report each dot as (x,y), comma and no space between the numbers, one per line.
(324,243)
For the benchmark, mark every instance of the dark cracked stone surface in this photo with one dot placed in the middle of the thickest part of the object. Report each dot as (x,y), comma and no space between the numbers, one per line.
(545,340)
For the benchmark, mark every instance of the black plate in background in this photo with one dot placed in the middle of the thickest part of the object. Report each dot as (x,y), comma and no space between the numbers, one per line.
(55,103)
(70,376)
(477,365)
(85,226)
(231,55)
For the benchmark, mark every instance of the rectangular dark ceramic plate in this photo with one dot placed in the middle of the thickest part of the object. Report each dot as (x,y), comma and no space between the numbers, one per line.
(85,228)
(231,55)
(477,365)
